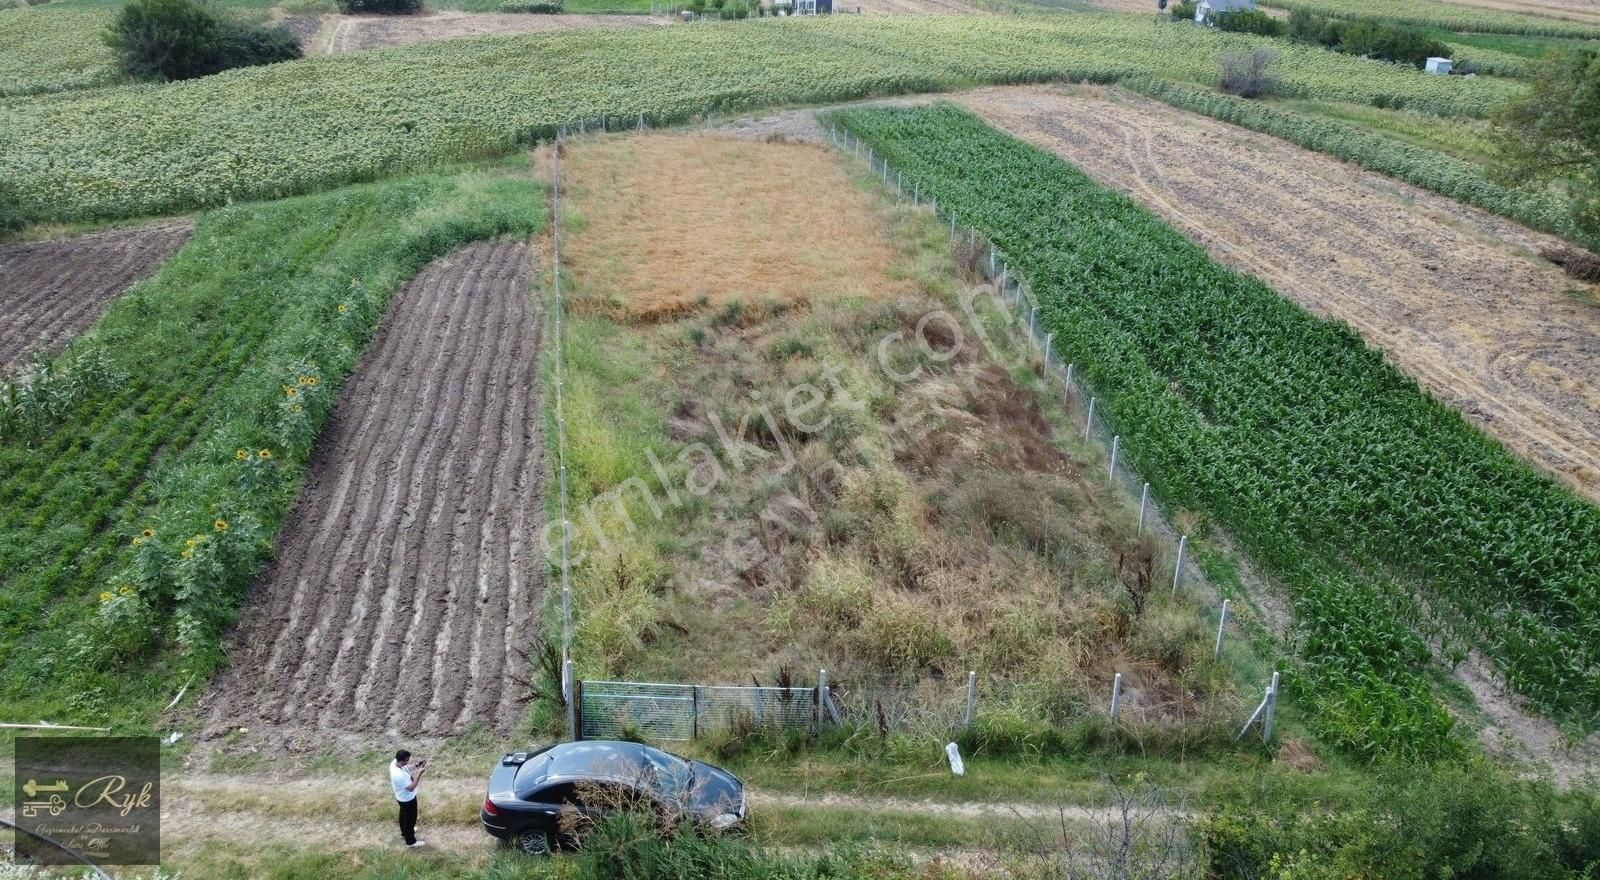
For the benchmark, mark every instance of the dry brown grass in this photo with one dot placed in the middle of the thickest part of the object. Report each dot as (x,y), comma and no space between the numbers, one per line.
(675,221)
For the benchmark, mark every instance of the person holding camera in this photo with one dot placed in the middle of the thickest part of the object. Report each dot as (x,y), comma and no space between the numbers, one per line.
(405,777)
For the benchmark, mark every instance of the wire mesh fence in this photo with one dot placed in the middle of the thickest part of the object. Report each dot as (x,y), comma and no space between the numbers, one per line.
(657,711)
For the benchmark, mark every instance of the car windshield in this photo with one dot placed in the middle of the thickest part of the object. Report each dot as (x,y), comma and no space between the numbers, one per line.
(670,776)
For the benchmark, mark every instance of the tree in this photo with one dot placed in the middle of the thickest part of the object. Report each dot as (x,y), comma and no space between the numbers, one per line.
(182,39)
(1553,134)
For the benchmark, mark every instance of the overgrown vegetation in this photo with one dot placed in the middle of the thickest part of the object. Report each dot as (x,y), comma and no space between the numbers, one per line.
(329,121)
(135,522)
(184,39)
(1284,426)
(537,7)
(1384,41)
(898,533)
(1553,134)
(1470,821)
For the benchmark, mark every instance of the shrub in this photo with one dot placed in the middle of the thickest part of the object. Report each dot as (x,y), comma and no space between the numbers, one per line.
(735,9)
(182,39)
(1245,74)
(380,7)
(1184,11)
(1252,21)
(538,7)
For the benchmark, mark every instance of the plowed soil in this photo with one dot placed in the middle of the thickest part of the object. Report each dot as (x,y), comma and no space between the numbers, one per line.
(1454,296)
(1571,10)
(354,33)
(50,291)
(409,577)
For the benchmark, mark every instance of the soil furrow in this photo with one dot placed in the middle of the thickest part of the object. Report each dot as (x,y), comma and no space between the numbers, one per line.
(51,291)
(392,597)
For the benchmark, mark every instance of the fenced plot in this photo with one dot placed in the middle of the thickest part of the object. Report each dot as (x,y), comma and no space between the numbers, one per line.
(620,709)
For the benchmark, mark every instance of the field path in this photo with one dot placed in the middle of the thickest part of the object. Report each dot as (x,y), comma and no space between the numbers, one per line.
(1454,296)
(50,291)
(409,576)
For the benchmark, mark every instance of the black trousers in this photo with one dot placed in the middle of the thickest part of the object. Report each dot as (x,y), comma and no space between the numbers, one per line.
(408,820)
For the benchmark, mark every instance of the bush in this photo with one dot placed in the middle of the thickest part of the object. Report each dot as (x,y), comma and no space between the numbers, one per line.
(538,7)
(1245,74)
(735,9)
(380,7)
(182,39)
(1184,11)
(1252,21)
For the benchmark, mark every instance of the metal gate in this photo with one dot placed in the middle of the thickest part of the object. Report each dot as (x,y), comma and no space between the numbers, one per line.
(624,709)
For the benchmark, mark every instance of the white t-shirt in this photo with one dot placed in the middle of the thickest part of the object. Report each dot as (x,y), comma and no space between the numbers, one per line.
(400,777)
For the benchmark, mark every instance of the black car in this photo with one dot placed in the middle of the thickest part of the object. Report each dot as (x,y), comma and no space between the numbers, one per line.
(540,800)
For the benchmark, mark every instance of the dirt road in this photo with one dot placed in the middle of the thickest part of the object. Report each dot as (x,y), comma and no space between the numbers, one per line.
(50,291)
(409,576)
(1455,297)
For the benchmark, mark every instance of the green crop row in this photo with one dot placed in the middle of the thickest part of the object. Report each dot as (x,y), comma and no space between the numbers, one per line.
(1447,16)
(50,50)
(291,128)
(1460,180)
(131,529)
(1382,509)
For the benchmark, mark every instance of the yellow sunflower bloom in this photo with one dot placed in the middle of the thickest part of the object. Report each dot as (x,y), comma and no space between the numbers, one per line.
(241,455)
(265,454)
(220,525)
(105,597)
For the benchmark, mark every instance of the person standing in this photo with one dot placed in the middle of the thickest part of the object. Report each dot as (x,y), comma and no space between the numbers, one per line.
(405,778)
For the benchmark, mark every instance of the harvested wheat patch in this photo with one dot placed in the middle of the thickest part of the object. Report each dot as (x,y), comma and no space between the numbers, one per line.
(674,222)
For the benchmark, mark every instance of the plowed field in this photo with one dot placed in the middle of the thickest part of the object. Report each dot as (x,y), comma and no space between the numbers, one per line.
(409,577)
(50,291)
(1454,296)
(354,33)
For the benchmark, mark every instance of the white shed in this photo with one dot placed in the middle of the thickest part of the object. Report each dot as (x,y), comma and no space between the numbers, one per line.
(1208,8)
(1439,65)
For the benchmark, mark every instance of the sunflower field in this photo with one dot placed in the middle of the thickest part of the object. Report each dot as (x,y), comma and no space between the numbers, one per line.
(51,50)
(1390,518)
(286,129)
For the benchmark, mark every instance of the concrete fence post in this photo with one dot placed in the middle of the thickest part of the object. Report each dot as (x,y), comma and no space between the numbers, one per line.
(972,697)
(1222,622)
(1116,695)
(1111,468)
(1177,570)
(1069,381)
(571,689)
(1033,316)
(1144,501)
(1088,426)
(1049,342)
(822,696)
(1272,709)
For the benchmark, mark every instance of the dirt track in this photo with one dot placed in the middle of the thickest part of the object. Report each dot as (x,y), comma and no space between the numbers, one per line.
(409,576)
(50,291)
(354,33)
(1453,295)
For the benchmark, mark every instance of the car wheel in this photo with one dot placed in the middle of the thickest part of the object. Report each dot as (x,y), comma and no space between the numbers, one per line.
(533,842)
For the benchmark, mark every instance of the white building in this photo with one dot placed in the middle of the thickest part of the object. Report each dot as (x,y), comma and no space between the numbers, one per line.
(1439,65)
(1208,8)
